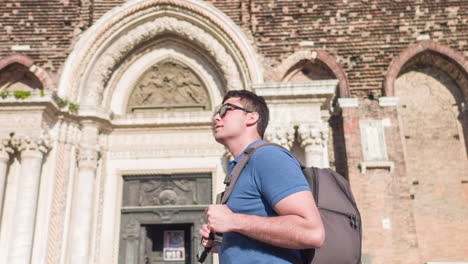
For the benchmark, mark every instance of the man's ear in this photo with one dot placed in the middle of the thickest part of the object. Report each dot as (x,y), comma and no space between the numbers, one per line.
(252,118)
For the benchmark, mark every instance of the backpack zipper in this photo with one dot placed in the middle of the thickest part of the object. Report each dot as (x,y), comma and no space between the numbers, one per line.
(353,219)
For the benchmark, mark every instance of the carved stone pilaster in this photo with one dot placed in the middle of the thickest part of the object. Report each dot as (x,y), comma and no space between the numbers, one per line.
(5,152)
(84,191)
(32,150)
(313,139)
(88,152)
(281,135)
(88,157)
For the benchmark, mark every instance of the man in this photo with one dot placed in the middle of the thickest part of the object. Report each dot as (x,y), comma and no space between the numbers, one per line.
(271,213)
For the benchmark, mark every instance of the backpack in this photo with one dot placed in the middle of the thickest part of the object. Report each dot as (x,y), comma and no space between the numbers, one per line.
(340,215)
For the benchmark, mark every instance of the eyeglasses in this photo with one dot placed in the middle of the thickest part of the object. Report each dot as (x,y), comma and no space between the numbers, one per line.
(225,108)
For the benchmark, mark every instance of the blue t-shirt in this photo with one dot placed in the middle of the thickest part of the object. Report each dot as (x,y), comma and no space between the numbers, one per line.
(270,175)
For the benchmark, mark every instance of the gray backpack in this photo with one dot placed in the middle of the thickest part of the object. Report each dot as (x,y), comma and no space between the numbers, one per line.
(335,201)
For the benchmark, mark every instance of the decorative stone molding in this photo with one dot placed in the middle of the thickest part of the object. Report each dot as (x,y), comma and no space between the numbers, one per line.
(388,101)
(310,134)
(34,146)
(365,165)
(281,135)
(348,102)
(147,31)
(5,149)
(327,59)
(88,151)
(132,13)
(88,158)
(311,89)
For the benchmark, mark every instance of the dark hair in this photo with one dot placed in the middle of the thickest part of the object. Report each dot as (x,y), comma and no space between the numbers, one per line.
(255,103)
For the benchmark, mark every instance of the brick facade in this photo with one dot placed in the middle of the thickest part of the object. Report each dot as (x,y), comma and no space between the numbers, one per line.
(370,47)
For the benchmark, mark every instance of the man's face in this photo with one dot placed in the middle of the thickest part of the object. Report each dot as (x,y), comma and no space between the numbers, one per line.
(232,124)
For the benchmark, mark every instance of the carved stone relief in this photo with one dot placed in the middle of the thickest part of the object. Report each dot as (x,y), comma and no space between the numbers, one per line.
(169,84)
(281,135)
(103,69)
(167,190)
(312,135)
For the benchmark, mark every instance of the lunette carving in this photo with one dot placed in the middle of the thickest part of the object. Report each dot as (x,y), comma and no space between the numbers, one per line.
(147,31)
(169,84)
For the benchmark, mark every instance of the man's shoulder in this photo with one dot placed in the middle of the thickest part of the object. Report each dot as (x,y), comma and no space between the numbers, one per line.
(272,150)
(273,155)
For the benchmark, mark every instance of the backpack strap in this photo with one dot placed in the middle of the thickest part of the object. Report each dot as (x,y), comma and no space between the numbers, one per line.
(232,177)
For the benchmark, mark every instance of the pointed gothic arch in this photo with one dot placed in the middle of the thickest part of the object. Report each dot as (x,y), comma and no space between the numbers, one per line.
(455,58)
(431,84)
(22,69)
(331,67)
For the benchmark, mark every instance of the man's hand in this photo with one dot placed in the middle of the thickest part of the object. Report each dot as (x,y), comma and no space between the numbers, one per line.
(220,218)
(205,234)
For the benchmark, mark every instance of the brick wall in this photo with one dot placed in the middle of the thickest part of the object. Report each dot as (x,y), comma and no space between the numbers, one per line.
(364,36)
(45,29)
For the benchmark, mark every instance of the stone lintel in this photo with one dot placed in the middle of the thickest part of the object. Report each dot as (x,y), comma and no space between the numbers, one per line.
(319,88)
(388,101)
(385,164)
(348,102)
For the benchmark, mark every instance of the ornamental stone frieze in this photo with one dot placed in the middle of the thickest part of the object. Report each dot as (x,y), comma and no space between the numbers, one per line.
(281,135)
(121,47)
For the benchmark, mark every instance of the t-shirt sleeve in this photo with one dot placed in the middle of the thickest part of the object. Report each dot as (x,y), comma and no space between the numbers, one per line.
(277,174)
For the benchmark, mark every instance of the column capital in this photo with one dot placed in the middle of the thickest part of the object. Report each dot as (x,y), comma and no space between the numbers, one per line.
(312,134)
(5,149)
(88,157)
(88,152)
(28,145)
(281,135)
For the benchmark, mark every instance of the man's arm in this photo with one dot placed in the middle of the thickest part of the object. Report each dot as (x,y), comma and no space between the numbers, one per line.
(298,225)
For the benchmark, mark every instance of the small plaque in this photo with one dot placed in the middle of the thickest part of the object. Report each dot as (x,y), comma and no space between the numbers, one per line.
(373,140)
(174,245)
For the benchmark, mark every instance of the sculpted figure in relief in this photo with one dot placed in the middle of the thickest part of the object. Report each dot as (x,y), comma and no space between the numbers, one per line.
(169,84)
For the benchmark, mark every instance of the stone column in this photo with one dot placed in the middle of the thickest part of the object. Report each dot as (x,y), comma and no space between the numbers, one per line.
(281,135)
(313,139)
(83,196)
(5,151)
(32,152)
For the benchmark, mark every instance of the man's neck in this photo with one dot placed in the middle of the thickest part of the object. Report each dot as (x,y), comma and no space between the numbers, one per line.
(237,146)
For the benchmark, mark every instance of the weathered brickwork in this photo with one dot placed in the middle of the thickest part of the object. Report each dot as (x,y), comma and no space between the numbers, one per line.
(44,29)
(414,211)
(364,36)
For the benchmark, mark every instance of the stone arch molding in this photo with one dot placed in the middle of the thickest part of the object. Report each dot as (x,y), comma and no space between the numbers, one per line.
(397,65)
(27,62)
(102,47)
(322,56)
